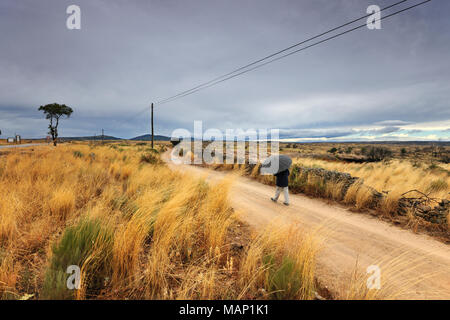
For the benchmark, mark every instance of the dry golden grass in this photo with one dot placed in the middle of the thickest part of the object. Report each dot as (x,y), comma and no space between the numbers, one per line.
(137,229)
(397,176)
(297,251)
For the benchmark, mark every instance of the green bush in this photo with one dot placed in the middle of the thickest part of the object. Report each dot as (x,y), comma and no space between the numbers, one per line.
(76,247)
(376,153)
(297,180)
(150,158)
(283,279)
(332,150)
(77,154)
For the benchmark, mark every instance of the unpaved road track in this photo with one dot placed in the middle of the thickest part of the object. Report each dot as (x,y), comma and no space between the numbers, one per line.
(351,239)
(21,145)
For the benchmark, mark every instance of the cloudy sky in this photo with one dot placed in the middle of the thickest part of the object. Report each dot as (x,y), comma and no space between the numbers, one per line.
(388,84)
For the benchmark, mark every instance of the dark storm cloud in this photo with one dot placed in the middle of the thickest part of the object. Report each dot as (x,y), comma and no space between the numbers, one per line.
(381,130)
(306,133)
(392,123)
(333,133)
(128,54)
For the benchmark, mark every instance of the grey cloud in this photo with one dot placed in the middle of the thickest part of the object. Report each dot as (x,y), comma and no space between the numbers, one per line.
(414,131)
(381,130)
(392,123)
(128,54)
(307,133)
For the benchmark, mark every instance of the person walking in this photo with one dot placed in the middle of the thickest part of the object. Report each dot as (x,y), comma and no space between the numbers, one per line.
(282,185)
(278,165)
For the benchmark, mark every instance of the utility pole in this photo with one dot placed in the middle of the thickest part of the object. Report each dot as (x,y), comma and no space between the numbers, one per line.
(103,135)
(152,126)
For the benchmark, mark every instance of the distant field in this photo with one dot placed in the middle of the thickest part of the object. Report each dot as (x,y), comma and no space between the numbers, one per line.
(423,152)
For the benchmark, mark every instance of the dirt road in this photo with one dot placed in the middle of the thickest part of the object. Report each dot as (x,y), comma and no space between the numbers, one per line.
(21,145)
(406,260)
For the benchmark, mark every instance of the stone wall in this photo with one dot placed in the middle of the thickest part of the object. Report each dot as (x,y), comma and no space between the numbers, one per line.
(418,206)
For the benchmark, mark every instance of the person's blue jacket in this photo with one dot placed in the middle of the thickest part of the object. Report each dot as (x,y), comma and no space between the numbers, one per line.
(282,178)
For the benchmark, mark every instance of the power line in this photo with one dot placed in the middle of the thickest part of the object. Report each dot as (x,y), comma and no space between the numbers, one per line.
(256,64)
(233,75)
(272,55)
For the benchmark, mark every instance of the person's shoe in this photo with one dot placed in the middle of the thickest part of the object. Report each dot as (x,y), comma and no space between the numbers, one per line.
(273,199)
(286,203)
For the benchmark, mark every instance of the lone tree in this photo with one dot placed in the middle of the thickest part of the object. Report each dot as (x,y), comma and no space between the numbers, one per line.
(54,112)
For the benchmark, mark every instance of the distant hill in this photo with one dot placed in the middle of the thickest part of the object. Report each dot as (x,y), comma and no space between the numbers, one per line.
(148,137)
(145,137)
(91,138)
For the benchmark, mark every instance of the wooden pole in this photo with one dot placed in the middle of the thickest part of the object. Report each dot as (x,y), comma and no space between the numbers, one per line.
(152,126)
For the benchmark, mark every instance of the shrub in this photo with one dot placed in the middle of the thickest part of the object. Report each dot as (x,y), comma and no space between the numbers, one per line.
(332,150)
(438,185)
(162,148)
(283,280)
(77,154)
(376,153)
(153,150)
(445,159)
(88,245)
(150,158)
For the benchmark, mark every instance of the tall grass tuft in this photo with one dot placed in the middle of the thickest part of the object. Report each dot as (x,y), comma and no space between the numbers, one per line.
(282,260)
(88,245)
